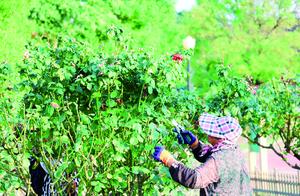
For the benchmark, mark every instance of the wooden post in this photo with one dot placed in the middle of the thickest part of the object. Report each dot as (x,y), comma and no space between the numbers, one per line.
(252,161)
(263,182)
(281,182)
(277,181)
(256,180)
(263,156)
(290,181)
(298,184)
(294,188)
(274,180)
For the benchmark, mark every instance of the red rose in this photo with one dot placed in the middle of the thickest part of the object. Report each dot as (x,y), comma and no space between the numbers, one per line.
(177,57)
(254,89)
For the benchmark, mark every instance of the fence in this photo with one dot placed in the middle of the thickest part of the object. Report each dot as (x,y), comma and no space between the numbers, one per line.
(275,183)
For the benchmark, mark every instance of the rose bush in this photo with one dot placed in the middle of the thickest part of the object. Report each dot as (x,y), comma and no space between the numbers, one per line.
(96,117)
(271,112)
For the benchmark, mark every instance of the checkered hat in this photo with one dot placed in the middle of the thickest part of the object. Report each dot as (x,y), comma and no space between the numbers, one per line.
(225,127)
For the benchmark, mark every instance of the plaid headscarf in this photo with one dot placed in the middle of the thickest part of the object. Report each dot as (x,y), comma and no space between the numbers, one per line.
(226,128)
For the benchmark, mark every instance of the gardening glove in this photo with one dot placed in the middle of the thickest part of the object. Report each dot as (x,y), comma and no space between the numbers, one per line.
(187,137)
(164,156)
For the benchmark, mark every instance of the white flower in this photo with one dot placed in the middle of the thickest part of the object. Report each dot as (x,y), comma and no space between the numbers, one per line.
(26,54)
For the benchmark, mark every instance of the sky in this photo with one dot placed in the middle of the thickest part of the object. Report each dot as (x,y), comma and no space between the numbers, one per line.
(184,5)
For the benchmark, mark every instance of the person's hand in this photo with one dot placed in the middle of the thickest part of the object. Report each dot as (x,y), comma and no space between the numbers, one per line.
(186,137)
(162,155)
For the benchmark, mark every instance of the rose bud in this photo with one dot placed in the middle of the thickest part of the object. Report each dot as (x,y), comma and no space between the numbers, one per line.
(177,57)
(26,54)
(54,105)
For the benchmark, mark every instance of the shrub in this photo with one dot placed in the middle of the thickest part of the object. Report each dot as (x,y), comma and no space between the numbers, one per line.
(97,117)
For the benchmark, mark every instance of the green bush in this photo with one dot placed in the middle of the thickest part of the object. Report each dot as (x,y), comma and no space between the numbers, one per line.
(96,117)
(269,110)
(12,152)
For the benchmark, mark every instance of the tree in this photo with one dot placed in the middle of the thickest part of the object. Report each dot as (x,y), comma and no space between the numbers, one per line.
(256,38)
(275,116)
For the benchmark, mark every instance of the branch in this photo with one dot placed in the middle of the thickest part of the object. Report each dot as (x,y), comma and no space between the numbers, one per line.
(282,136)
(258,22)
(256,142)
(296,155)
(293,28)
(295,166)
(289,127)
(275,26)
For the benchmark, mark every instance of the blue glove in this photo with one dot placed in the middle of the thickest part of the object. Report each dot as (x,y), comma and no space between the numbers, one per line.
(186,137)
(163,156)
(157,152)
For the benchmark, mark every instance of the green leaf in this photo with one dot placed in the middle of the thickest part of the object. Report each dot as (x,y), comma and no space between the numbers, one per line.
(150,90)
(49,111)
(112,74)
(60,73)
(109,176)
(96,95)
(65,139)
(89,86)
(137,127)
(97,189)
(85,119)
(60,170)
(133,141)
(95,183)
(112,103)
(114,94)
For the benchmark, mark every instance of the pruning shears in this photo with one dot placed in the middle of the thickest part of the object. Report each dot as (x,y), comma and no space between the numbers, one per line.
(179,129)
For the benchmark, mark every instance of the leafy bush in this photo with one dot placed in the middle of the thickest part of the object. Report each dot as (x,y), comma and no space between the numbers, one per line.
(12,152)
(269,110)
(88,21)
(97,117)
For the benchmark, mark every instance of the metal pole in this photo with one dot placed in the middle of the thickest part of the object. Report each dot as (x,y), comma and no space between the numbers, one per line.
(188,75)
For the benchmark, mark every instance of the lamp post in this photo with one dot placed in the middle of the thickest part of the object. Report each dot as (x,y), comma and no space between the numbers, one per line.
(189,43)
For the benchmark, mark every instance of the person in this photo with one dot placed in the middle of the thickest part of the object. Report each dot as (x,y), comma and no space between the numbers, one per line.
(40,178)
(223,170)
(41,182)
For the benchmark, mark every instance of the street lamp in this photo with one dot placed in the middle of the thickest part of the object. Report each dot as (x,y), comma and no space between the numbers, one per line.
(189,43)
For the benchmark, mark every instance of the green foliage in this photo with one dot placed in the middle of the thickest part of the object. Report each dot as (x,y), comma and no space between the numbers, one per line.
(88,20)
(276,114)
(11,151)
(230,93)
(255,38)
(98,116)
(15,29)
(271,111)
(150,24)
